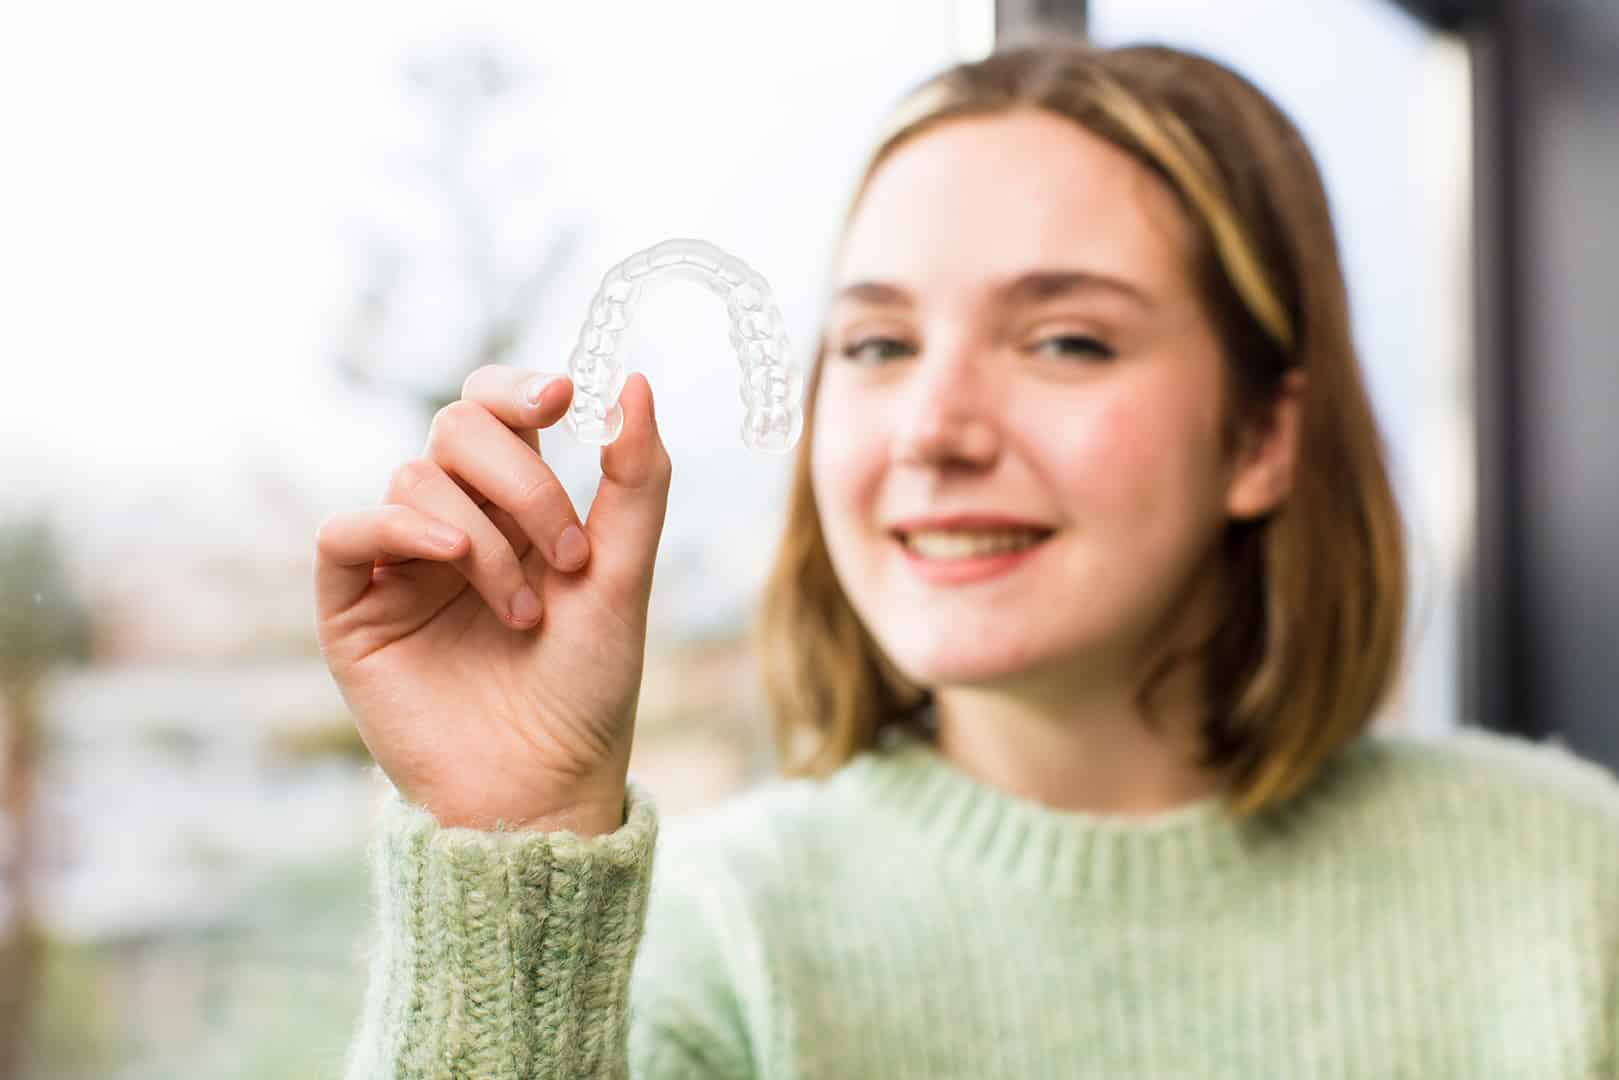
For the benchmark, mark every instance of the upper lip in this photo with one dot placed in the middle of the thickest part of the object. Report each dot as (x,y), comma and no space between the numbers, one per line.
(965,521)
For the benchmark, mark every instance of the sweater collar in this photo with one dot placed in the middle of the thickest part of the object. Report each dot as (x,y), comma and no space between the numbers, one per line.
(1186,850)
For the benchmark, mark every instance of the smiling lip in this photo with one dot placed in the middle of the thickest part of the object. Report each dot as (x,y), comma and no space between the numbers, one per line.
(965,521)
(963,571)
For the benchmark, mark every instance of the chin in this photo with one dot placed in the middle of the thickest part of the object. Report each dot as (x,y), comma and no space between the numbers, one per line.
(960,663)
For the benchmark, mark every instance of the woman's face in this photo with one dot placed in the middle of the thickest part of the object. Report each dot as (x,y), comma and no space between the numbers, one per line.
(1017,340)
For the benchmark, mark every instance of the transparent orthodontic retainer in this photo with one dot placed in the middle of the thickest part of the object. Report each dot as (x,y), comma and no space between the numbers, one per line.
(772,385)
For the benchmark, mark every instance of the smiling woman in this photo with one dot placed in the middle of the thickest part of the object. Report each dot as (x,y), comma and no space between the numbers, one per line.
(1091,584)
(1102,346)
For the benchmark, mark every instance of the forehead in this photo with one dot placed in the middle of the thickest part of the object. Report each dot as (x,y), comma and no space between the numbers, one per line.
(982,199)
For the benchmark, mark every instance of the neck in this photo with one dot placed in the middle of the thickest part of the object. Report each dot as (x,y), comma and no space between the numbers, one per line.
(1072,736)
(1091,752)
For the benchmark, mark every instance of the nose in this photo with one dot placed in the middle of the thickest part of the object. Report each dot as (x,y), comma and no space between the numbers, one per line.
(949,414)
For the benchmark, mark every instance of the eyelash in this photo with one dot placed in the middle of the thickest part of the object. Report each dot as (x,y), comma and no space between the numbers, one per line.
(1092,346)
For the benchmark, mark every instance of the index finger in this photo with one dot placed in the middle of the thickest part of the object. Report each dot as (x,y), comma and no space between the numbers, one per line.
(523,400)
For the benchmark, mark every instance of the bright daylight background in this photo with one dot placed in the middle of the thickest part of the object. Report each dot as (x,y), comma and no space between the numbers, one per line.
(246,251)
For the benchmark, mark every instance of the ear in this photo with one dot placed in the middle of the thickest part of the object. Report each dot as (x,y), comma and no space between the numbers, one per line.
(1263,474)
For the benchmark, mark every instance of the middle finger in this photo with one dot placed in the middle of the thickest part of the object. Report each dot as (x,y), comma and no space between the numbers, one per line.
(474,447)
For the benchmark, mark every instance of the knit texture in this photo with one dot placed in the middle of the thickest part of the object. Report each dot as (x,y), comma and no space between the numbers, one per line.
(1430,908)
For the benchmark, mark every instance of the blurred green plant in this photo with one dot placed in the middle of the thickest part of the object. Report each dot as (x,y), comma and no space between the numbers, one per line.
(43,621)
(73,1034)
(334,736)
(43,625)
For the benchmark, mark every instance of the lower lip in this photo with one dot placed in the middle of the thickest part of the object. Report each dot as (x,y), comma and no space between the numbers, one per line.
(962,571)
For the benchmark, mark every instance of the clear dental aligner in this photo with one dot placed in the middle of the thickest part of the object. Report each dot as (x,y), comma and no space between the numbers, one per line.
(772,385)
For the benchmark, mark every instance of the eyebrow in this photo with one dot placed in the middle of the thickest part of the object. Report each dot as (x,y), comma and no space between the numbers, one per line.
(1033,287)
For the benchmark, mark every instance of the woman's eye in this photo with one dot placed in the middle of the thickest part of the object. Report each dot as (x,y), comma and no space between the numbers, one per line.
(1079,345)
(876,349)
(887,347)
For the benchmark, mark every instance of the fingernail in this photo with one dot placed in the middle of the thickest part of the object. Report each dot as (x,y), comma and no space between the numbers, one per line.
(525,605)
(536,387)
(572,547)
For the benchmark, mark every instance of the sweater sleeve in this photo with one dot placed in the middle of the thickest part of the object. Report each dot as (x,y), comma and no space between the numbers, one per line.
(509,954)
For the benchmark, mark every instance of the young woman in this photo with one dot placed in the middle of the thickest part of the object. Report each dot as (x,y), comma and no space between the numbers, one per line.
(1091,582)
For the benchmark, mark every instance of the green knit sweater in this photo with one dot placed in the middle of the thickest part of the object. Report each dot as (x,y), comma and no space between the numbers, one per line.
(1430,908)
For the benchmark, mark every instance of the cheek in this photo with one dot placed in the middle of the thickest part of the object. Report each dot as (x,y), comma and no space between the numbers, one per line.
(843,463)
(1134,463)
(1111,453)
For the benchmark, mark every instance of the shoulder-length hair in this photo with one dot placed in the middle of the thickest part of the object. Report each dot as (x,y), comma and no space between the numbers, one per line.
(1312,598)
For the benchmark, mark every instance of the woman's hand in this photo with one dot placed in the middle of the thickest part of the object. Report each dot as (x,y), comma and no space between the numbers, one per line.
(481,704)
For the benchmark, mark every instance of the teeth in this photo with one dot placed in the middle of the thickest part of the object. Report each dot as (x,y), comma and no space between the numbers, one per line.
(966,545)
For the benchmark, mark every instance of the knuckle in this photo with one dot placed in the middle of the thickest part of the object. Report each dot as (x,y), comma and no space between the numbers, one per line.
(476,376)
(454,417)
(498,572)
(409,476)
(536,491)
(398,521)
(492,560)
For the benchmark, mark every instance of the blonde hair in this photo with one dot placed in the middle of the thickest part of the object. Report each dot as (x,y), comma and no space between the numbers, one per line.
(1313,599)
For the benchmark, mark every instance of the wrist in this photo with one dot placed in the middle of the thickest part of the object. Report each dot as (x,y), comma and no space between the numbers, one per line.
(588,807)
(584,819)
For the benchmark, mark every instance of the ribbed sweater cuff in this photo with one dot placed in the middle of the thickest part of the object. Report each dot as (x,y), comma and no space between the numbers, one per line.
(502,954)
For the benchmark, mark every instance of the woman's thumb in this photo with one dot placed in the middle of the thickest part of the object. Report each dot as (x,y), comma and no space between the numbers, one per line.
(626,516)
